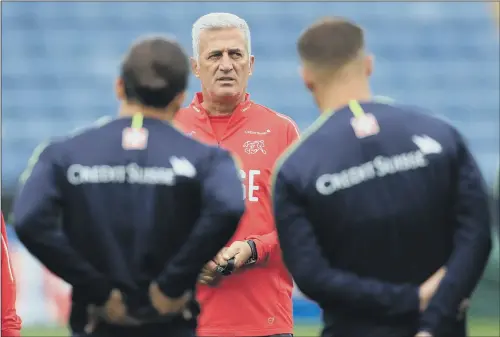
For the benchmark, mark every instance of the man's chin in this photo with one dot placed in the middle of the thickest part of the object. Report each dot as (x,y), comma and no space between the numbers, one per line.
(227,94)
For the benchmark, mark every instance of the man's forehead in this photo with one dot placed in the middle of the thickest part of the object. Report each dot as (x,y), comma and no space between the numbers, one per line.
(222,39)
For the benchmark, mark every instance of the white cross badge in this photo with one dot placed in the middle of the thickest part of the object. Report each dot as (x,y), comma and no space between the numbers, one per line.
(135,138)
(365,125)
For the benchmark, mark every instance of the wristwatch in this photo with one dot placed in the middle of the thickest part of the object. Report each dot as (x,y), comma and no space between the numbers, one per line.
(254,256)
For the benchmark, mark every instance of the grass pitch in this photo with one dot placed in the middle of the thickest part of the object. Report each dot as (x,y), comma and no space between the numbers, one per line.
(478,328)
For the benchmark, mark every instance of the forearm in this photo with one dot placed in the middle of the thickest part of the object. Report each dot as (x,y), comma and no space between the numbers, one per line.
(472,243)
(54,251)
(37,213)
(211,233)
(267,245)
(334,287)
(464,271)
(315,276)
(222,209)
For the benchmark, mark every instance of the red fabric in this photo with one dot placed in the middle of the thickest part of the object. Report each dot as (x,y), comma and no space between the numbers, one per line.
(11,323)
(219,125)
(256,300)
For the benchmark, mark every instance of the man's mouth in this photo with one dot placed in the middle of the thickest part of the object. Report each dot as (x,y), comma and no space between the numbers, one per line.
(225,79)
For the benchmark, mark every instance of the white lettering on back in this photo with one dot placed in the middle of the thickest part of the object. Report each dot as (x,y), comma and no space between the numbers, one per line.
(380,166)
(130,174)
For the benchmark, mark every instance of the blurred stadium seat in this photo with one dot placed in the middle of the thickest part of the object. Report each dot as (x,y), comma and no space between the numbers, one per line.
(60,60)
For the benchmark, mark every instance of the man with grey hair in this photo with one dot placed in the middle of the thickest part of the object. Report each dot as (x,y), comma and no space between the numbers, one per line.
(255,297)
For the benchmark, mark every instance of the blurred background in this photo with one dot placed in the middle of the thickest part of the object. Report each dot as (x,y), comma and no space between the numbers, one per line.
(60,60)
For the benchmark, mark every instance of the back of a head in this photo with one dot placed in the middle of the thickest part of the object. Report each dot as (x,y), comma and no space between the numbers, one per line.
(331,44)
(154,72)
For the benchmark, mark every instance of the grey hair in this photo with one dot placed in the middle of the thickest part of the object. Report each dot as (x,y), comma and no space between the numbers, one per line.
(218,21)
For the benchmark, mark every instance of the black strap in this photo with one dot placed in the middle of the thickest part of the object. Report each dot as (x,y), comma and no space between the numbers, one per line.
(254,256)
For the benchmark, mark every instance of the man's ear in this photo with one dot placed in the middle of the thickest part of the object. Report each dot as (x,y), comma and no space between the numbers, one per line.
(307,78)
(180,98)
(252,62)
(369,64)
(194,67)
(177,103)
(120,89)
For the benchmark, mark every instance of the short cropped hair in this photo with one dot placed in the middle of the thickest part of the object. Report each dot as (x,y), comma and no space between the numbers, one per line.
(331,43)
(219,21)
(155,71)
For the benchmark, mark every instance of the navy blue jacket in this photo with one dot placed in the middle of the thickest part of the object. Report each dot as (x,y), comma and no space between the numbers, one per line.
(368,207)
(119,207)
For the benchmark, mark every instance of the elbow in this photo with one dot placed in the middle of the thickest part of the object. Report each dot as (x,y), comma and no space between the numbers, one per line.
(480,250)
(233,218)
(306,280)
(232,212)
(234,209)
(486,243)
(22,229)
(25,228)
(309,287)
(305,285)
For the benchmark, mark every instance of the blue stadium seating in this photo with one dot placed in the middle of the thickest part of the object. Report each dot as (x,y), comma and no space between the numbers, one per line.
(60,60)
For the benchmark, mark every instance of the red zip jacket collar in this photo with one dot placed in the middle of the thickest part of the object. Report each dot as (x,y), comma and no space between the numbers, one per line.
(238,116)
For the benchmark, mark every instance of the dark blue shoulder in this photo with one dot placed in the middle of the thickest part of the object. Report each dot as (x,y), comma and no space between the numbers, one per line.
(414,115)
(413,111)
(294,160)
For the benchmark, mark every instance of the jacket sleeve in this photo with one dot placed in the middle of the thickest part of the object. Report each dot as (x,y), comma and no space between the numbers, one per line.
(312,272)
(268,244)
(222,209)
(37,213)
(11,322)
(293,133)
(472,244)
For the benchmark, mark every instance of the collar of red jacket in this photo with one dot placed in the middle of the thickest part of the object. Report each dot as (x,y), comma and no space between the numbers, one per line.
(238,113)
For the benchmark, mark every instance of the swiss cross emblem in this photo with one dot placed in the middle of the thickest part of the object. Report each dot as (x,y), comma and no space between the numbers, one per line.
(252,147)
(364,126)
(135,138)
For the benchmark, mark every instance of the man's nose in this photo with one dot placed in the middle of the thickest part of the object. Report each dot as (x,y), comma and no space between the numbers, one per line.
(226,64)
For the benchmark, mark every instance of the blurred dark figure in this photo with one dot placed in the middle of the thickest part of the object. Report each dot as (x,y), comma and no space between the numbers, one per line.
(129,211)
(381,210)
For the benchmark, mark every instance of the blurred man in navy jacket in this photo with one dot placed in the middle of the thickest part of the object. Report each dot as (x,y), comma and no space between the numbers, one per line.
(381,210)
(129,211)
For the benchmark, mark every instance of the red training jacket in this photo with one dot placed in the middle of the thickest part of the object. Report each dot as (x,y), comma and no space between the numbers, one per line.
(11,323)
(256,300)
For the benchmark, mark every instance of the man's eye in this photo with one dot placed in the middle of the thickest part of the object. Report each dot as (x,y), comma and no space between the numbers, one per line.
(213,56)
